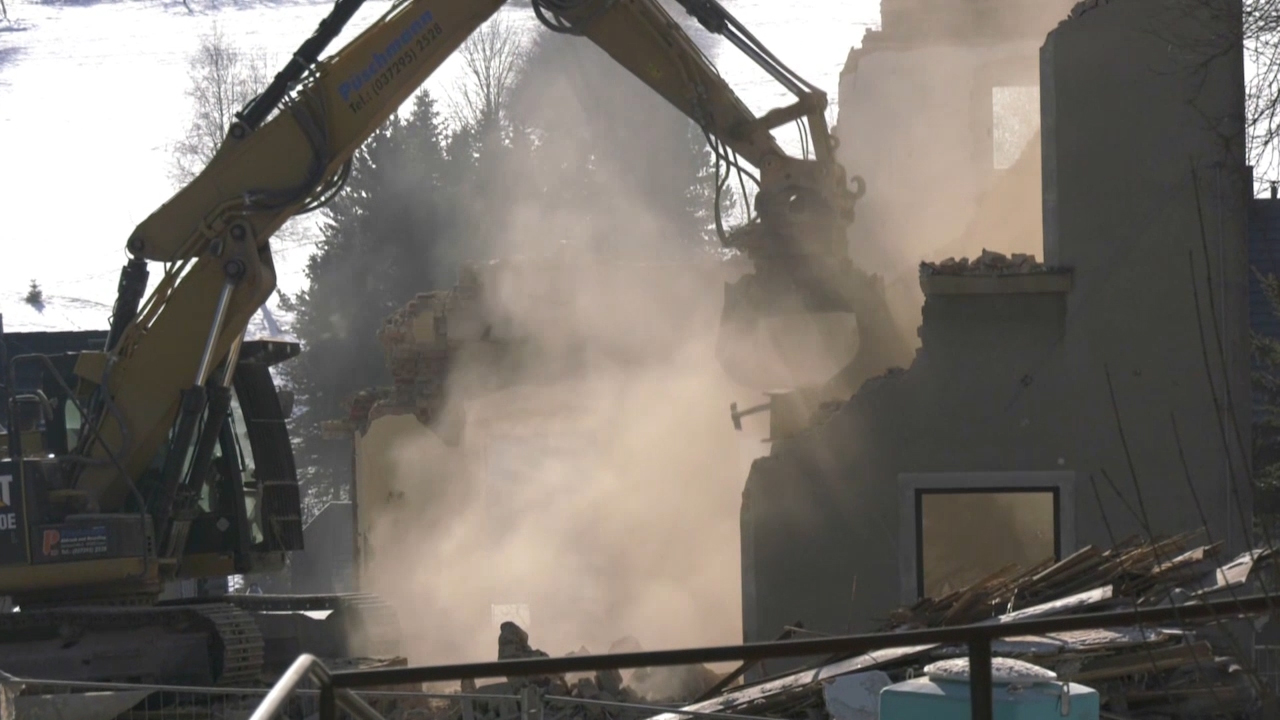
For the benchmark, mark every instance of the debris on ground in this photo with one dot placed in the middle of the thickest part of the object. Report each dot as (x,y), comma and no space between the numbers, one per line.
(513,644)
(1085,6)
(1177,671)
(605,691)
(856,696)
(681,683)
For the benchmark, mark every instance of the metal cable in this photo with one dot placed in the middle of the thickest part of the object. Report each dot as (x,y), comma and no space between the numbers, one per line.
(551,13)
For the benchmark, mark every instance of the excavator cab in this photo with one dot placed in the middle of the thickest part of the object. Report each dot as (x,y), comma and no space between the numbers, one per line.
(243,518)
(96,576)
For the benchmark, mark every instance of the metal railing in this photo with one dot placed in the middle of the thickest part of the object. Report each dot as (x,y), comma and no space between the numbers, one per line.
(1266,664)
(335,688)
(331,697)
(337,691)
(40,698)
(309,690)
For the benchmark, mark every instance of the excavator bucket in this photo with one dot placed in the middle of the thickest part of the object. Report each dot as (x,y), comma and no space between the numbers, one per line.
(791,324)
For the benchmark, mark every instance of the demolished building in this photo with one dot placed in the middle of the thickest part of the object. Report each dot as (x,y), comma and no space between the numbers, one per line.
(940,113)
(1095,391)
(1104,388)
(574,377)
(1185,670)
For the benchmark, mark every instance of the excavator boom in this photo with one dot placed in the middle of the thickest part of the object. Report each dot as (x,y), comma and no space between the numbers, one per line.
(214,233)
(287,151)
(163,404)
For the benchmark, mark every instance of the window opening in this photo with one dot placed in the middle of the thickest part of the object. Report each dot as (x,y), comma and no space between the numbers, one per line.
(73,422)
(966,535)
(1015,119)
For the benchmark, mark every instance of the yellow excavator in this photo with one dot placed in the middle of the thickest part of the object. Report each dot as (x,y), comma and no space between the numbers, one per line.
(160,452)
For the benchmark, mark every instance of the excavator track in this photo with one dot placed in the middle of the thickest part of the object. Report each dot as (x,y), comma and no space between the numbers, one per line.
(344,625)
(242,643)
(139,644)
(367,625)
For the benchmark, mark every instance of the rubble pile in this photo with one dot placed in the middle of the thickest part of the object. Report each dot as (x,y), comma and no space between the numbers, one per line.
(1179,672)
(1141,573)
(1085,6)
(988,263)
(606,691)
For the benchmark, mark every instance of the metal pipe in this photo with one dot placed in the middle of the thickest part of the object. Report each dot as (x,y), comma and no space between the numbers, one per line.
(129,292)
(980,701)
(328,703)
(742,669)
(257,110)
(301,668)
(10,410)
(764,50)
(219,314)
(350,702)
(650,708)
(233,357)
(1229,415)
(759,59)
(114,686)
(306,692)
(1252,605)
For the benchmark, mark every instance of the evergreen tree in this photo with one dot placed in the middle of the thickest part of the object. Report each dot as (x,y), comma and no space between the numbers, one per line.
(609,146)
(1266,421)
(482,156)
(382,243)
(576,137)
(35,295)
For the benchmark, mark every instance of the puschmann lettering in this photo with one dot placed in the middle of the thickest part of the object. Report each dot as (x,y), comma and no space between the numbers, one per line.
(380,60)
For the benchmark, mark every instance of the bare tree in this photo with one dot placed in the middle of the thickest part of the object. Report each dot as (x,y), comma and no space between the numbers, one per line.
(1211,30)
(492,59)
(1262,69)
(223,77)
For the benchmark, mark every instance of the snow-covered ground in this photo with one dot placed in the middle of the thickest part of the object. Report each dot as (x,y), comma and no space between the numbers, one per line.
(92,96)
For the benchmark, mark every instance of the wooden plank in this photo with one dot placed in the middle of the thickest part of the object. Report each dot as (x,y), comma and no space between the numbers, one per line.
(1145,661)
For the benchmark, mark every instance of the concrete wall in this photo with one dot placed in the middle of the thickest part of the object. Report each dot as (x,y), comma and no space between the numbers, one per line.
(383,513)
(915,123)
(823,506)
(1008,382)
(1131,110)
(919,121)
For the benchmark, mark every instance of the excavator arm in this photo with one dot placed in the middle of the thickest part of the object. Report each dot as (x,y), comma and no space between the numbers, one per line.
(160,385)
(798,242)
(642,37)
(287,151)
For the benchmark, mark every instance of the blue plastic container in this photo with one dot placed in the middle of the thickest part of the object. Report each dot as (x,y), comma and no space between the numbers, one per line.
(1020,691)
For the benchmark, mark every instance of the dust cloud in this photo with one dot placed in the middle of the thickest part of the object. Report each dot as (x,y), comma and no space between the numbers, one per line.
(596,489)
(967,537)
(605,506)
(947,136)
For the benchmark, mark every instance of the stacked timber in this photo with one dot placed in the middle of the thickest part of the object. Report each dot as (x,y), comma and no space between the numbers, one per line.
(1181,671)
